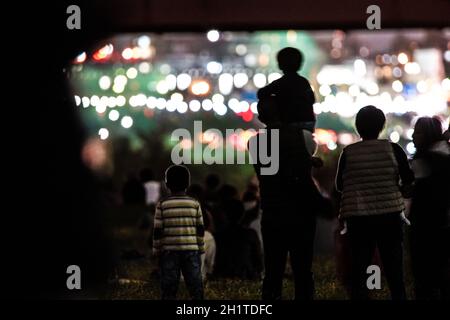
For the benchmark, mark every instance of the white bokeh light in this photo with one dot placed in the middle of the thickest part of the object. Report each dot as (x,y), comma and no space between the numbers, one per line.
(121,100)
(101,107)
(411,148)
(112,102)
(113,115)
(372,88)
(250,60)
(254,107)
(214,67)
(207,105)
(220,109)
(331,145)
(394,136)
(446,84)
(240,79)
(273,76)
(225,83)
(213,35)
(176,96)
(103,133)
(325,90)
(161,103)
(412,68)
(183,81)
(144,67)
(162,87)
(85,101)
(422,86)
(409,133)
(402,58)
(151,102)
(447,55)
(360,67)
(397,86)
(81,57)
(182,107)
(144,41)
(244,106)
(77,100)
(259,79)
(104,82)
(218,98)
(126,122)
(234,105)
(120,80)
(132,73)
(95,100)
(195,105)
(200,87)
(354,90)
(171,81)
(241,49)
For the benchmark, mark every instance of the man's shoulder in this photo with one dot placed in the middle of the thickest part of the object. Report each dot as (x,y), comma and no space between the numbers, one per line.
(297,77)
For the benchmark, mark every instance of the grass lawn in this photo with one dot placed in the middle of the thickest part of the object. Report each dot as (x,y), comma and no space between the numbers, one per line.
(136,282)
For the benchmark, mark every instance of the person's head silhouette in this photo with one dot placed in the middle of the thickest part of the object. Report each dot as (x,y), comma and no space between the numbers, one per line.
(370,122)
(427,131)
(289,59)
(177,178)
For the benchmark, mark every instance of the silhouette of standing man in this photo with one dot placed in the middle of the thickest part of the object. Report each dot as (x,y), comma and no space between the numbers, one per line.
(289,198)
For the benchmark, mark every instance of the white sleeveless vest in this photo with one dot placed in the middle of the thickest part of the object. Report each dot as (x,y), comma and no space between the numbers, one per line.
(370,180)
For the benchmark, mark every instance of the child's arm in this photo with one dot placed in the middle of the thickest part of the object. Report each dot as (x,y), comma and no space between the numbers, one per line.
(404,218)
(200,230)
(157,231)
(344,227)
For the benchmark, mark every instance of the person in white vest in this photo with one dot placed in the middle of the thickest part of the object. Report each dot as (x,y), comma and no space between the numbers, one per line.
(368,176)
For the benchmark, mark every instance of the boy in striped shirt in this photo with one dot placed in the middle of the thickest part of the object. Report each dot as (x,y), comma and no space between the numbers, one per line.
(178,236)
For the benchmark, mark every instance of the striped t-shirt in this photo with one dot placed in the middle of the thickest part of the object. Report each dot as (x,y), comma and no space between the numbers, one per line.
(178,225)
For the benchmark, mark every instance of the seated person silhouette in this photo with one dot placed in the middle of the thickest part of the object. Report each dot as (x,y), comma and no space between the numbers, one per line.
(296,145)
(292,93)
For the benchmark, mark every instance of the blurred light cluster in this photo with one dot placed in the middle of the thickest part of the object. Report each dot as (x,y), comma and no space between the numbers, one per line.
(220,72)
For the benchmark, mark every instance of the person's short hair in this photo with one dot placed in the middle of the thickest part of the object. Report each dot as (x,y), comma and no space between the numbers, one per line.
(177,178)
(369,122)
(289,59)
(431,129)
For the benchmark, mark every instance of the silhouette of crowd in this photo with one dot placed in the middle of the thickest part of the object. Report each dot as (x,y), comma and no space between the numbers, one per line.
(251,235)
